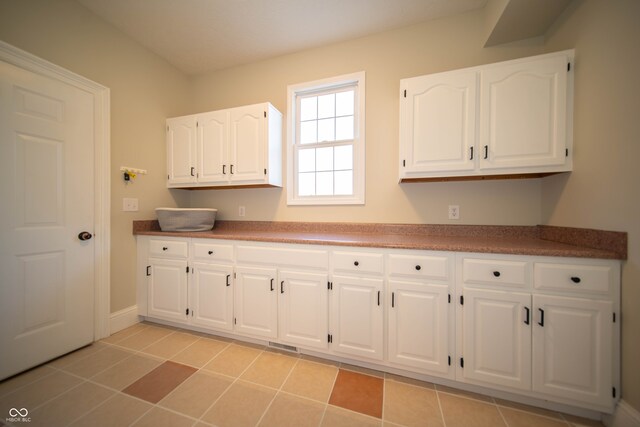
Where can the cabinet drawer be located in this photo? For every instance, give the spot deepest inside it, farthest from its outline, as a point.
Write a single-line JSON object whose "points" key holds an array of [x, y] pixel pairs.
{"points": [[205, 251], [419, 266], [276, 256], [168, 248], [358, 262], [495, 272], [572, 277]]}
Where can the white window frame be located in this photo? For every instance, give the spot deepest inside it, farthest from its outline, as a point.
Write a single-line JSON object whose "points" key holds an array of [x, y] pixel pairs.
{"points": [[357, 79]]}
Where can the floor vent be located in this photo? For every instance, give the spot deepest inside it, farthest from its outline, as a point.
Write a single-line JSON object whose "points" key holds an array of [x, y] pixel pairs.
{"points": [[284, 347]]}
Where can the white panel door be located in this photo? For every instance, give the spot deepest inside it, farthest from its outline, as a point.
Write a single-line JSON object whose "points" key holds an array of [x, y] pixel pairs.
{"points": [[572, 348], [211, 296], [419, 326], [303, 308], [357, 316], [497, 337], [248, 144], [213, 167], [167, 291], [256, 301], [523, 114], [437, 130], [47, 193], [181, 150]]}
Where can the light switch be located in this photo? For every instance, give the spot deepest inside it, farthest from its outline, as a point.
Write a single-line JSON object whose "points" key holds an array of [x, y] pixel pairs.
{"points": [[129, 204]]}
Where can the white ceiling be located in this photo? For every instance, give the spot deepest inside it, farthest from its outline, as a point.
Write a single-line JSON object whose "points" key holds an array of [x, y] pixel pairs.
{"points": [[198, 36]]}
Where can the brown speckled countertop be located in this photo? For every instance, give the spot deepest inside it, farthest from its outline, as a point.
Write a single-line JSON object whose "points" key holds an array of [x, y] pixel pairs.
{"points": [[519, 240]]}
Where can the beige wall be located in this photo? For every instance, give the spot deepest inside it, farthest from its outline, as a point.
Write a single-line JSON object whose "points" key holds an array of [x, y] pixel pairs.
{"points": [[144, 91], [386, 58], [604, 189]]}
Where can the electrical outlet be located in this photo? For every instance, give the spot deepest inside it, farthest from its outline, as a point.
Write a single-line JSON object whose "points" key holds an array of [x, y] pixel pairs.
{"points": [[454, 212], [129, 204], [241, 211]]}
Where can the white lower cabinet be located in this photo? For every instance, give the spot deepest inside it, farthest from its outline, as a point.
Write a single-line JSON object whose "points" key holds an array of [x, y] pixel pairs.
{"points": [[357, 316], [544, 328], [256, 301], [167, 298], [419, 326]]}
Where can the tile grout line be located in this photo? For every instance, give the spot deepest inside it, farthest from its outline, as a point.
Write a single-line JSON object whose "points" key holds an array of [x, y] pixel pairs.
{"points": [[444, 422], [333, 384]]}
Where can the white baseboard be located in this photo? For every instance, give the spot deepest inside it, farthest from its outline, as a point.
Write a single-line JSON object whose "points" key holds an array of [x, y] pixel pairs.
{"points": [[123, 319], [624, 416]]}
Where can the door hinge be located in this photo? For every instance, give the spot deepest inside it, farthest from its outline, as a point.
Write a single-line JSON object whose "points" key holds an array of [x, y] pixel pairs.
{"points": [[197, 124], [234, 276], [404, 163], [235, 321], [187, 312], [330, 285], [168, 177], [613, 392], [265, 171], [405, 93], [461, 299], [566, 152], [187, 269], [265, 114], [449, 298], [614, 316], [462, 362], [568, 66], [148, 270], [329, 338], [449, 360]]}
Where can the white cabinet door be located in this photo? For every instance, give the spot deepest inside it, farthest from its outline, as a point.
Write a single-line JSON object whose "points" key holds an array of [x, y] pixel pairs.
{"points": [[213, 147], [167, 290], [256, 301], [572, 344], [357, 316], [419, 326], [523, 113], [497, 337], [181, 151], [248, 144], [211, 296], [438, 122], [303, 308]]}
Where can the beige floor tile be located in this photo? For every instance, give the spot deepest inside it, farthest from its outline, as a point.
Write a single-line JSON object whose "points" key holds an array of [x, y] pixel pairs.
{"points": [[338, 417], [120, 410], [194, 396], [200, 352], [516, 418], [77, 355], [581, 422], [240, 406], [170, 345], [270, 369], [407, 380], [540, 411], [125, 333], [145, 337], [12, 384], [287, 410], [38, 392], [233, 360], [127, 371], [410, 405], [311, 380], [69, 406], [97, 362], [464, 393], [158, 417], [462, 412]]}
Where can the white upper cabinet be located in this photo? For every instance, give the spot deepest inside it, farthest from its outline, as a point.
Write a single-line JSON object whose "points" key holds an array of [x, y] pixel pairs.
{"points": [[233, 147], [510, 118]]}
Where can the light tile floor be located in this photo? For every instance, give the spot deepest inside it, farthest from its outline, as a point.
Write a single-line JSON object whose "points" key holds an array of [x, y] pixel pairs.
{"points": [[149, 375]]}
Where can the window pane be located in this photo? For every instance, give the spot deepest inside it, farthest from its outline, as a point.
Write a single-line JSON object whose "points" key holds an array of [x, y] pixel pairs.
{"points": [[326, 131], [307, 184], [309, 108], [343, 157], [308, 132], [344, 103], [344, 128], [324, 159], [324, 183], [326, 106], [307, 160], [344, 183]]}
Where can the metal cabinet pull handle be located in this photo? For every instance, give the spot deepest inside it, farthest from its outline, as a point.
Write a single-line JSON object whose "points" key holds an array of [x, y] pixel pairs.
{"points": [[228, 276], [486, 151], [471, 157], [496, 273], [576, 279], [541, 322], [193, 171], [378, 298], [393, 299], [231, 168], [210, 252], [164, 248], [271, 285], [356, 263], [526, 320], [224, 171], [418, 267], [282, 287]]}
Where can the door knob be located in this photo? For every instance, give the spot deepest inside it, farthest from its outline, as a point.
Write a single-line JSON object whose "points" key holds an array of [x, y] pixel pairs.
{"points": [[84, 235]]}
